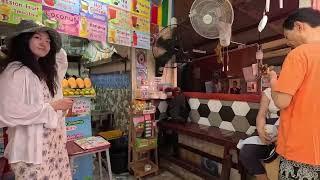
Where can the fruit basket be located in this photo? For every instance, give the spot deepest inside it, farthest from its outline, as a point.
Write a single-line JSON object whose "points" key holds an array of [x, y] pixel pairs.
{"points": [[77, 87]]}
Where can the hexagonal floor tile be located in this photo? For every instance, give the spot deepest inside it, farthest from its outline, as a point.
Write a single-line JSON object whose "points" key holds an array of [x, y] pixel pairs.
{"points": [[204, 110], [194, 103], [204, 121], [214, 105], [227, 126], [163, 106], [194, 115], [240, 123], [240, 108], [251, 116], [226, 113], [214, 119]]}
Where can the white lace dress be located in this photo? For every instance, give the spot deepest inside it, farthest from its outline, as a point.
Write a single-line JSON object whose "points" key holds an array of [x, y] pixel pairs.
{"points": [[55, 165]]}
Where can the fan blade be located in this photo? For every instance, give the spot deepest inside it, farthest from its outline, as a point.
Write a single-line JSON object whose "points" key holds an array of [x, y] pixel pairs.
{"points": [[161, 61], [164, 58]]}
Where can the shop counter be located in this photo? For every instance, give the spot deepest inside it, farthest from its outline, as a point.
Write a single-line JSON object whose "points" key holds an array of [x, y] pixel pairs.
{"points": [[227, 97]]}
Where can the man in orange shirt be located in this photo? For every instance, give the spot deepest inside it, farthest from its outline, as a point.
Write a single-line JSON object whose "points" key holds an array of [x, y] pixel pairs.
{"points": [[297, 94]]}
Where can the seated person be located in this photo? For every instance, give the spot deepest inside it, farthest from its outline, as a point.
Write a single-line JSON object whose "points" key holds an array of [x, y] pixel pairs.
{"points": [[255, 149], [178, 107], [234, 89]]}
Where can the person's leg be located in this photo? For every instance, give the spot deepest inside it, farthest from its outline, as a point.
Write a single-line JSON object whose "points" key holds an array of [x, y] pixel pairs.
{"points": [[295, 171], [251, 156]]}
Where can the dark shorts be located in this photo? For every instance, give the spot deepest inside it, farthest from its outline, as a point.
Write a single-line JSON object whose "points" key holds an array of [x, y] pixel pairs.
{"points": [[252, 156]]}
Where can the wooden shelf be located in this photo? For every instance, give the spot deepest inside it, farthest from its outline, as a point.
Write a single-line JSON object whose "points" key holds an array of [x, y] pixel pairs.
{"points": [[139, 171], [144, 149]]}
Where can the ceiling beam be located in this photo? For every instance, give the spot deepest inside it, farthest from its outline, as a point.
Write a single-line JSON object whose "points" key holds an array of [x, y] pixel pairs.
{"points": [[267, 39], [257, 15]]}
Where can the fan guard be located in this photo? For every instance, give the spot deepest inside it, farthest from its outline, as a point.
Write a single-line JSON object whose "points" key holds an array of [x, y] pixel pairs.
{"points": [[207, 17]]}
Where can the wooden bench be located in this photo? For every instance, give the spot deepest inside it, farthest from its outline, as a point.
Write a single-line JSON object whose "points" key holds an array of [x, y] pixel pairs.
{"points": [[227, 139]]}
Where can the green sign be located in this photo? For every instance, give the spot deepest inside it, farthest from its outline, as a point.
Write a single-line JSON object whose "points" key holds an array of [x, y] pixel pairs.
{"points": [[13, 11]]}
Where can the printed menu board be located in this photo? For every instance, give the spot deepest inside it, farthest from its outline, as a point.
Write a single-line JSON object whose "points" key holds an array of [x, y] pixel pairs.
{"points": [[93, 29], [141, 7], [140, 40], [119, 36], [122, 4], [119, 18], [140, 23], [93, 9], [71, 6], [62, 21], [13, 11]]}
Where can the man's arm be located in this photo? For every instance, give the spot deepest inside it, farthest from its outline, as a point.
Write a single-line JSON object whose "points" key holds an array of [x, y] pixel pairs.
{"points": [[281, 100]]}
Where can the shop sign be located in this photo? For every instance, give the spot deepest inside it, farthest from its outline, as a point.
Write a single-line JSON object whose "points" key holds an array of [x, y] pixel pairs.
{"points": [[13, 11], [141, 7], [63, 22], [93, 9], [71, 6], [119, 18], [37, 1], [119, 36], [93, 29], [140, 23], [140, 40], [141, 67], [122, 4]]}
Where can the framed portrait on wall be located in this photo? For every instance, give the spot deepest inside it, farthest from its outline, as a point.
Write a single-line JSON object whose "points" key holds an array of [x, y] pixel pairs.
{"points": [[252, 87], [234, 86]]}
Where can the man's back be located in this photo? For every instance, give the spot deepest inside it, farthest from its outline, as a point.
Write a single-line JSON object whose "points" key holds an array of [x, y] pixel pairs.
{"points": [[299, 132]]}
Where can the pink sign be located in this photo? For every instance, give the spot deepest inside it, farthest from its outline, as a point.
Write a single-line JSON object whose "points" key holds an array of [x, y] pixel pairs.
{"points": [[37, 1], [63, 22], [93, 29]]}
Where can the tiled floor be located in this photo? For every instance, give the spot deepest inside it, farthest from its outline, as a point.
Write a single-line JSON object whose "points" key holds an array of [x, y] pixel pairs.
{"points": [[163, 174]]}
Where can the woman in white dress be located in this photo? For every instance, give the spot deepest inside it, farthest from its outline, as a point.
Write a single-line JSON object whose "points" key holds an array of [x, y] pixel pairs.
{"points": [[262, 147]]}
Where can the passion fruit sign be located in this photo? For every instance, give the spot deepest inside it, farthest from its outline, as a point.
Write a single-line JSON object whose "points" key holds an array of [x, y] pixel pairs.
{"points": [[13, 11]]}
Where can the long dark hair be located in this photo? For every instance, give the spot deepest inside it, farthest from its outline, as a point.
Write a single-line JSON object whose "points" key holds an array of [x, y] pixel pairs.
{"points": [[44, 68]]}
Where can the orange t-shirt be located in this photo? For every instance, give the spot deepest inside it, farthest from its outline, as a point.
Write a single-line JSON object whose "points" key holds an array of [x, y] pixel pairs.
{"points": [[299, 131]]}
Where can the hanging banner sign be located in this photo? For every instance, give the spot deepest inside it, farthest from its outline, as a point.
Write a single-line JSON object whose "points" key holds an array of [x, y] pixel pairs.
{"points": [[140, 40], [141, 67], [119, 18], [93, 29], [119, 36], [141, 7], [71, 6], [140, 23], [37, 1], [13, 11], [63, 22], [122, 4], [93, 9]]}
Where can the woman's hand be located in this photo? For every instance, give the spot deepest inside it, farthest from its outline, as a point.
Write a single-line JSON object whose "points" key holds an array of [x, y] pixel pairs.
{"points": [[62, 104], [264, 136]]}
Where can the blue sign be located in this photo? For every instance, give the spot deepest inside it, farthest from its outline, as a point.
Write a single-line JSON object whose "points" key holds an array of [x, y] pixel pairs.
{"points": [[78, 127]]}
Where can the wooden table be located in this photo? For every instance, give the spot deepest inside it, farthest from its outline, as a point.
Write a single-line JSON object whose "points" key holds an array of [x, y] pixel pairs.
{"points": [[75, 151]]}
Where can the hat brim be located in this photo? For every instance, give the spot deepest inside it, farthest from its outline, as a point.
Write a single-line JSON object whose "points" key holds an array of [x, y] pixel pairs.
{"points": [[54, 35]]}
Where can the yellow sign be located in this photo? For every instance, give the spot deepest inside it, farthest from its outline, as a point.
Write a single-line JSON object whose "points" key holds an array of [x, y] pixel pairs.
{"points": [[141, 7], [118, 18], [140, 23]]}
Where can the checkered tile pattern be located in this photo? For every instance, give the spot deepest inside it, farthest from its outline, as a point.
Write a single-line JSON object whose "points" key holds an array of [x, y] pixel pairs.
{"points": [[230, 115]]}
